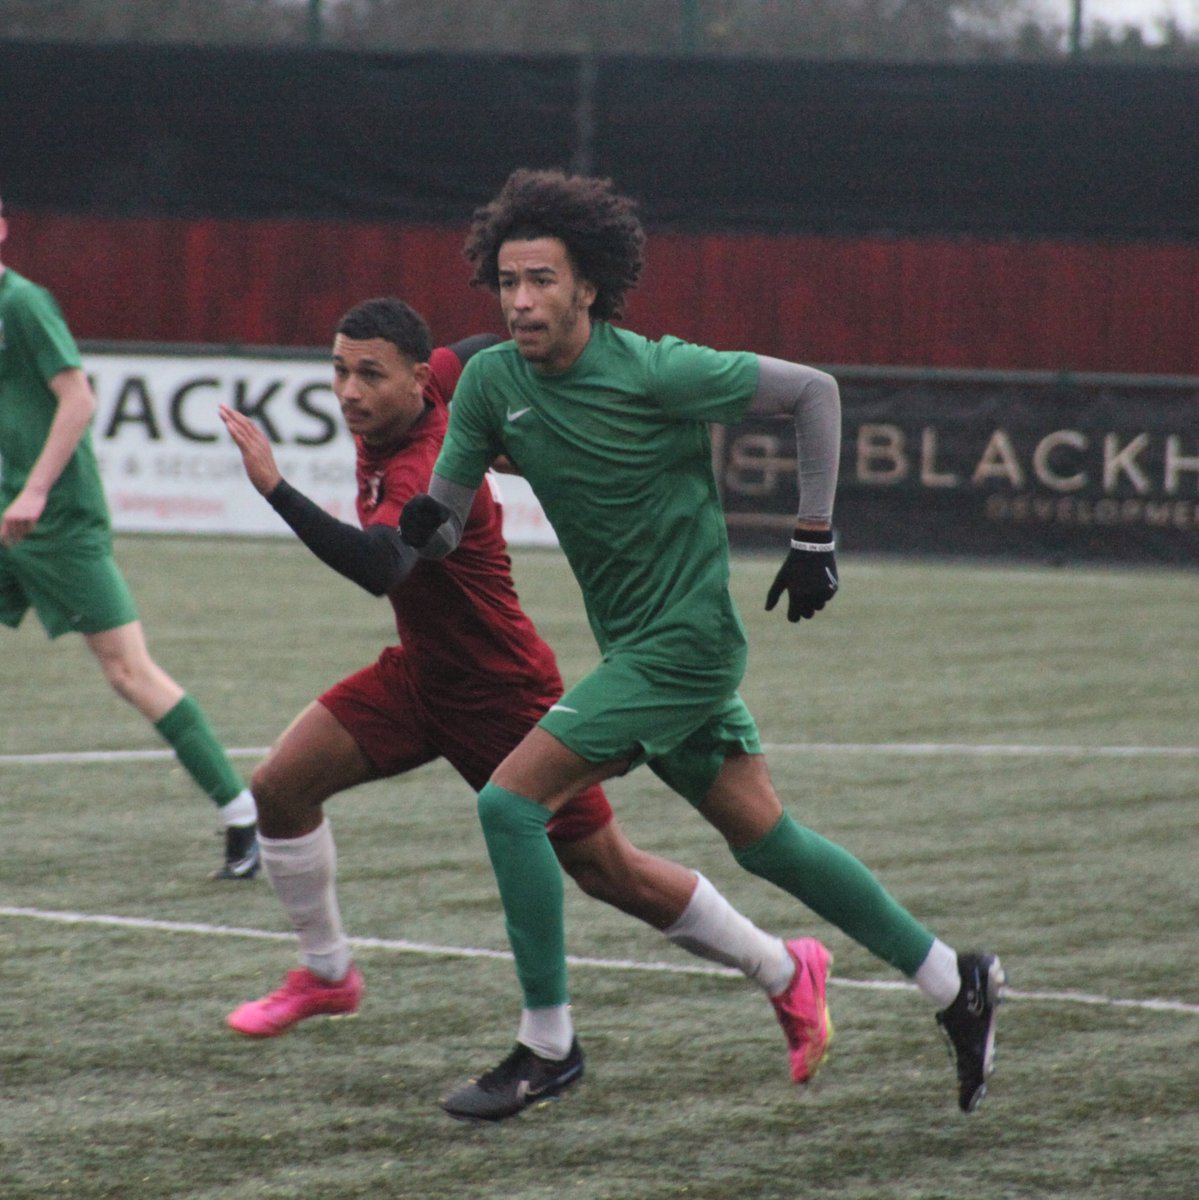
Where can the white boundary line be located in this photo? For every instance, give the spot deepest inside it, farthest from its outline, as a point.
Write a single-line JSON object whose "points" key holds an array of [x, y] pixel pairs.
{"points": [[605, 964], [979, 749], [909, 749]]}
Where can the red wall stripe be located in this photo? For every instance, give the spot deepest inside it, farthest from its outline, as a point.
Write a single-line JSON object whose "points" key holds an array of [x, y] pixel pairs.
{"points": [[923, 302]]}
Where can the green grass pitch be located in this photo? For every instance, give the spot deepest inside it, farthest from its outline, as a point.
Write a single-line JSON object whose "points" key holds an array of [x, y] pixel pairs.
{"points": [[1014, 750]]}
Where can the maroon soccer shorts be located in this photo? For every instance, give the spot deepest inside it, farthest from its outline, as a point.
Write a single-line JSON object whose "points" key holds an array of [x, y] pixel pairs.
{"points": [[384, 711]]}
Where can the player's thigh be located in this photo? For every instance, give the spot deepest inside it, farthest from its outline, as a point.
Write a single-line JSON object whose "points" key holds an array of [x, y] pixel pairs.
{"points": [[742, 803], [314, 758], [693, 767], [72, 588]]}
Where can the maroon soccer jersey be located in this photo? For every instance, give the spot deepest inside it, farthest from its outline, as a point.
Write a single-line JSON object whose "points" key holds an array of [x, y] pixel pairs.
{"points": [[459, 620]]}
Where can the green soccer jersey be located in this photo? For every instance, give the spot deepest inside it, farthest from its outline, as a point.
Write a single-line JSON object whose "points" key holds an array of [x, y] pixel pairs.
{"points": [[617, 450], [35, 345]]}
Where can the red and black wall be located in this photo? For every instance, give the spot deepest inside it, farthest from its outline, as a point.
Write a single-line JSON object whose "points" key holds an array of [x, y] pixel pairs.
{"points": [[1001, 217]]}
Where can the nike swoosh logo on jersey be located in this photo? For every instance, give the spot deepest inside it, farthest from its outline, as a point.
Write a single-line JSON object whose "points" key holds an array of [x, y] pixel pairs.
{"points": [[516, 416], [563, 708]]}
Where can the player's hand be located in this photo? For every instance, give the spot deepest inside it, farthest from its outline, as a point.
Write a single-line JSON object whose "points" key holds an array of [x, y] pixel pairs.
{"points": [[808, 576], [421, 519], [21, 517], [256, 454]]}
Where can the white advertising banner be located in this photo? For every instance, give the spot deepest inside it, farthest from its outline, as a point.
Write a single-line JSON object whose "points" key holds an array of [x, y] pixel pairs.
{"points": [[169, 466]]}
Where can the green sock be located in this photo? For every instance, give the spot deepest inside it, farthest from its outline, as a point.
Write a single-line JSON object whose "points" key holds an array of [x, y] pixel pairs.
{"points": [[187, 730], [839, 888], [530, 882]]}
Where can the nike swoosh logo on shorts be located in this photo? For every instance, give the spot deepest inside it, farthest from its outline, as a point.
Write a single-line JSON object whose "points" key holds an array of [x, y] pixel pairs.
{"points": [[516, 416], [563, 708]]}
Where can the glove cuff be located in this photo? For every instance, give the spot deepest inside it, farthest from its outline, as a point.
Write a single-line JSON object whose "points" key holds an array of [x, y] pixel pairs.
{"points": [[809, 544]]}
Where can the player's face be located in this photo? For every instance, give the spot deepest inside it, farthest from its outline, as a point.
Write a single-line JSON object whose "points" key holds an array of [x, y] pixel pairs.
{"points": [[380, 392], [545, 304]]}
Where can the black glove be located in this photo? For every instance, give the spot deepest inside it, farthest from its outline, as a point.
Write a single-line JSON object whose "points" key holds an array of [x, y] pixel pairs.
{"points": [[808, 576], [421, 519]]}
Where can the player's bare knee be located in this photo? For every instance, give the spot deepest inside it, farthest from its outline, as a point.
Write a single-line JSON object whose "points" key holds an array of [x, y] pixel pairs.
{"points": [[121, 678], [270, 794], [283, 801]]}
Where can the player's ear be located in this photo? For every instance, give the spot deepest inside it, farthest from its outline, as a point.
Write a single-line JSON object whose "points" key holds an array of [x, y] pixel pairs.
{"points": [[422, 372]]}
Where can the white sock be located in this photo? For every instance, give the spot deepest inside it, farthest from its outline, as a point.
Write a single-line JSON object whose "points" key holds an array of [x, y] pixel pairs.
{"points": [[302, 871], [712, 928], [938, 977], [241, 810], [547, 1031]]}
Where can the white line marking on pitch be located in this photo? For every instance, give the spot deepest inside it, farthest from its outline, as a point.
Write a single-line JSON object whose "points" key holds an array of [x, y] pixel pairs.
{"points": [[607, 964], [981, 749], [913, 749], [73, 757]]}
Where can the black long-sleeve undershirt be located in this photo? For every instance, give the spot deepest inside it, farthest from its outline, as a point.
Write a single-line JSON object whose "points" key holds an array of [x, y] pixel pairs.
{"points": [[375, 558]]}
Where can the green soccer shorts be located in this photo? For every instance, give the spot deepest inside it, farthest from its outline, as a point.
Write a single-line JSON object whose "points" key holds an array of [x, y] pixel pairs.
{"points": [[73, 589], [681, 725]]}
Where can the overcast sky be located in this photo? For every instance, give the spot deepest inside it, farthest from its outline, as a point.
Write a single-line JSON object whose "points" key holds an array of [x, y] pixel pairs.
{"points": [[1145, 13]]}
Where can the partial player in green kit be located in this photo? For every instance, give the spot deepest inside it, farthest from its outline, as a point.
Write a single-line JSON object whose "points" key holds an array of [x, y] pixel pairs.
{"points": [[56, 546], [611, 432]]}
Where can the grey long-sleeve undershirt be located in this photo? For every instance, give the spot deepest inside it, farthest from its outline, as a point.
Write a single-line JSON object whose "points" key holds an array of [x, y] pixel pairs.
{"points": [[810, 396], [814, 400]]}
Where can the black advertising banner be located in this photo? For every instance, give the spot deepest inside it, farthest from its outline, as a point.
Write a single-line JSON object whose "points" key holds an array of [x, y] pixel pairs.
{"points": [[1055, 468]]}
